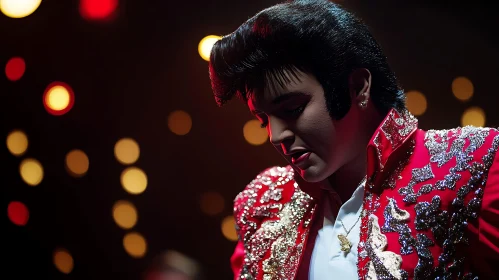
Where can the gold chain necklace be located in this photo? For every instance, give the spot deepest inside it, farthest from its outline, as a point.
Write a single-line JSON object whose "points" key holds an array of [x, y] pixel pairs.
{"points": [[346, 245]]}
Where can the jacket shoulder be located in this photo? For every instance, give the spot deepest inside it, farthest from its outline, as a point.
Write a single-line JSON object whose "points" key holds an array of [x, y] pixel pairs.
{"points": [[263, 198], [267, 186]]}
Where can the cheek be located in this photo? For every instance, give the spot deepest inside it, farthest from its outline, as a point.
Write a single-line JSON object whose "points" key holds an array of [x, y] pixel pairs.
{"points": [[318, 132]]}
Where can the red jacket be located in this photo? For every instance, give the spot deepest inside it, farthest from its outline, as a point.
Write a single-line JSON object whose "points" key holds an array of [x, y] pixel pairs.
{"points": [[430, 210]]}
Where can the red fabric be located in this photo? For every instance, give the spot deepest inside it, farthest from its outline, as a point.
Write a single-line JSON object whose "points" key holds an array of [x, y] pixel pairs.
{"points": [[236, 260], [484, 236]]}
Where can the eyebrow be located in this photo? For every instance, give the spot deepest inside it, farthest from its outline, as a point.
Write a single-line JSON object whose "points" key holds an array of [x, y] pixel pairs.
{"points": [[282, 98]]}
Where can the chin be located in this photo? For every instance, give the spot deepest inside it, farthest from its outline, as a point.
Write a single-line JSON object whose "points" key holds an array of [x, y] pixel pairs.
{"points": [[312, 174]]}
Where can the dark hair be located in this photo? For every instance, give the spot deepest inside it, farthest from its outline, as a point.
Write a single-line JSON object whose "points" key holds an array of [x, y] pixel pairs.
{"points": [[312, 36]]}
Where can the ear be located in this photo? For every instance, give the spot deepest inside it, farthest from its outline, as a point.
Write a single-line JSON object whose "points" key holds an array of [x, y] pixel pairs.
{"points": [[359, 83]]}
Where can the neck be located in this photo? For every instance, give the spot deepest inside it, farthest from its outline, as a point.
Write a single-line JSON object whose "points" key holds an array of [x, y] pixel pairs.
{"points": [[346, 179]]}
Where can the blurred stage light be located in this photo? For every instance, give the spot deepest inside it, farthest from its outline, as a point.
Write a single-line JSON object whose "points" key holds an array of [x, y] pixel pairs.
{"points": [[14, 69], [17, 142], [474, 116], [31, 171], [179, 122], [134, 180], [77, 163], [254, 133], [19, 8], [18, 213], [462, 88], [127, 151], [212, 203], [97, 9], [58, 98], [416, 102], [135, 244], [125, 214], [229, 228], [63, 261], [205, 46]]}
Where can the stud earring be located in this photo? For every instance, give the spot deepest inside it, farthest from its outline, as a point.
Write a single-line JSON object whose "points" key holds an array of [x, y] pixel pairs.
{"points": [[363, 104]]}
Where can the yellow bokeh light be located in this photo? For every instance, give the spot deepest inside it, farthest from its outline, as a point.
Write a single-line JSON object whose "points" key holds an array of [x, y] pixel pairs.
{"points": [[134, 180], [125, 214], [19, 8], [31, 171], [17, 142], [474, 116], [462, 88], [254, 133], [229, 228], [416, 102], [63, 261], [205, 46], [212, 203], [179, 122], [135, 244], [127, 151], [58, 98], [77, 163]]}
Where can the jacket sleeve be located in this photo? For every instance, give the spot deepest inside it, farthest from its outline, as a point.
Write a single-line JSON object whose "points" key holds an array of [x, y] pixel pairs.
{"points": [[484, 239], [236, 260]]}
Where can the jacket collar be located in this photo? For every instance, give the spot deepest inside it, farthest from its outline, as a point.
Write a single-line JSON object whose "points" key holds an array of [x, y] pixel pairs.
{"points": [[391, 137]]}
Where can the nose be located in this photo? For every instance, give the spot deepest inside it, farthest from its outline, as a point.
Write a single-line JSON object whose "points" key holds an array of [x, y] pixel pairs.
{"points": [[279, 132]]}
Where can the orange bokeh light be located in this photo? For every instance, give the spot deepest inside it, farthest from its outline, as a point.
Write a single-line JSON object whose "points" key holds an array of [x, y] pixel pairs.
{"points": [[58, 98]]}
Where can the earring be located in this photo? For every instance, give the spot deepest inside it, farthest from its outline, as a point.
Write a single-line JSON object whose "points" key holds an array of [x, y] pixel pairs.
{"points": [[363, 104]]}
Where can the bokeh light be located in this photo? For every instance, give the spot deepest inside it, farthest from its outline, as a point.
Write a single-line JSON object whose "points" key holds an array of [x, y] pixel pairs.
{"points": [[31, 171], [17, 142], [15, 68], [19, 8], [58, 98], [125, 214], [134, 180], [462, 88], [98, 9], [63, 260], [205, 46], [212, 203], [416, 102], [135, 244], [229, 228], [77, 163], [179, 122], [18, 213], [127, 151], [474, 116], [254, 133]]}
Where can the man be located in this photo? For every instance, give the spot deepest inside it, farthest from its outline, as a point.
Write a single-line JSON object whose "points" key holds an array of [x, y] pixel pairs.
{"points": [[367, 195]]}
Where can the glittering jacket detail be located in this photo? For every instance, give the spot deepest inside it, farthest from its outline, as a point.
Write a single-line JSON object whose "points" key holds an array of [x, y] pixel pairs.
{"points": [[430, 210]]}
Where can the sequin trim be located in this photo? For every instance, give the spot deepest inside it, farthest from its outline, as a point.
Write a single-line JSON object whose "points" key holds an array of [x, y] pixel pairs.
{"points": [[383, 264], [273, 233]]}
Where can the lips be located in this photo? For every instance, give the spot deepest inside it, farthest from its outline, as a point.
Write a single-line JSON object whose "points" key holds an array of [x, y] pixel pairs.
{"points": [[299, 157]]}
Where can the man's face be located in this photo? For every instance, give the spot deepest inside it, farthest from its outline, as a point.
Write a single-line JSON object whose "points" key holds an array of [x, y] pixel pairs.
{"points": [[301, 129]]}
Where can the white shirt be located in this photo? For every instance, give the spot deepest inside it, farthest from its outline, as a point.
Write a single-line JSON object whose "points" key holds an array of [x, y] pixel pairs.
{"points": [[328, 261]]}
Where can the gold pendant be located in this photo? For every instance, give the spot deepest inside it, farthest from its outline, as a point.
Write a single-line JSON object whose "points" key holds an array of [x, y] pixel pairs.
{"points": [[346, 245]]}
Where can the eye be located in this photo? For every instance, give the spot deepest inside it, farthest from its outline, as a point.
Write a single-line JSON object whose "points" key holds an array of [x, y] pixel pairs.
{"points": [[295, 111]]}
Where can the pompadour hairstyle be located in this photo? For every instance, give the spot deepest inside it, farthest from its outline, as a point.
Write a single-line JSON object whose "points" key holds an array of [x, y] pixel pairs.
{"points": [[313, 36]]}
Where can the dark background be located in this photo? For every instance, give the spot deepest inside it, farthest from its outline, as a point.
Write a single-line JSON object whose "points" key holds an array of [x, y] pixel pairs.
{"points": [[130, 73]]}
